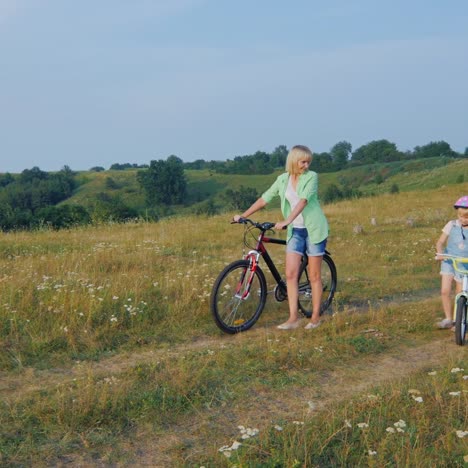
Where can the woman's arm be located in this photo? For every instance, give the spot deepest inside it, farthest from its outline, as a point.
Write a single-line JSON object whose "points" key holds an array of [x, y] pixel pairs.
{"points": [[293, 215]]}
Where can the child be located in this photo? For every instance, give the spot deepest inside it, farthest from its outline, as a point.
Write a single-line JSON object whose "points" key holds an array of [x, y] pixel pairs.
{"points": [[307, 229], [455, 236]]}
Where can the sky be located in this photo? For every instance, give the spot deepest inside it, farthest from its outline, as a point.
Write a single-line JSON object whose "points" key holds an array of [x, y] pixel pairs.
{"points": [[87, 83]]}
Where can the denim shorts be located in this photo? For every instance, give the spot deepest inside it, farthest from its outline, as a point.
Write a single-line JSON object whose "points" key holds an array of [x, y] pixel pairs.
{"points": [[300, 243], [446, 268]]}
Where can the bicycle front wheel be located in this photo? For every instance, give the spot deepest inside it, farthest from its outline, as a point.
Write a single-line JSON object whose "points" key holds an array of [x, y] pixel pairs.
{"points": [[238, 297], [329, 282], [460, 321]]}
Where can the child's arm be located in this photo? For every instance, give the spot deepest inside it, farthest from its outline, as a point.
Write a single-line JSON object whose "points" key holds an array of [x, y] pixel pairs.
{"points": [[440, 245]]}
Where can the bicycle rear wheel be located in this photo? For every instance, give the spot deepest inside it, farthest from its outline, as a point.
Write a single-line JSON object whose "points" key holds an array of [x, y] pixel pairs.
{"points": [[329, 282], [238, 297], [460, 321]]}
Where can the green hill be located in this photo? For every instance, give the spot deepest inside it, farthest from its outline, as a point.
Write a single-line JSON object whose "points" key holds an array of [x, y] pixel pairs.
{"points": [[204, 185]]}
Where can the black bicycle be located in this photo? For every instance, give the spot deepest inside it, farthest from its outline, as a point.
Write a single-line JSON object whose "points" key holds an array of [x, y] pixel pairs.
{"points": [[239, 293]]}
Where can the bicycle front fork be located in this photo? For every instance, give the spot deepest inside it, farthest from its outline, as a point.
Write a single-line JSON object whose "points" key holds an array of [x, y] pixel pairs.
{"points": [[463, 293]]}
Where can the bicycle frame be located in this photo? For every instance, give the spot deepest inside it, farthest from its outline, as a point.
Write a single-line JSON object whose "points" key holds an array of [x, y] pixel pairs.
{"points": [[457, 265], [463, 270], [260, 250], [254, 255]]}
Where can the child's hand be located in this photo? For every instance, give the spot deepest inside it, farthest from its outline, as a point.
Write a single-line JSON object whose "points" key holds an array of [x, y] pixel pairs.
{"points": [[439, 257]]}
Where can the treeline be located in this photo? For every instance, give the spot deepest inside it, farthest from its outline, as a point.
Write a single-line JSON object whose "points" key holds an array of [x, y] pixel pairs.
{"points": [[33, 199], [30, 198], [36, 198], [341, 156]]}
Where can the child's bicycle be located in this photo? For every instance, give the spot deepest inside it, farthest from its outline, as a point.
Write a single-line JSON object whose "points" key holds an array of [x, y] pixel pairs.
{"points": [[460, 264], [239, 293]]}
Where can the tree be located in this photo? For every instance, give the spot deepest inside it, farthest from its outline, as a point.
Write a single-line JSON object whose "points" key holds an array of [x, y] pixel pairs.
{"points": [[340, 154], [111, 184], [322, 162], [279, 156], [6, 179], [240, 199], [164, 182], [394, 188], [434, 149], [376, 151], [64, 216]]}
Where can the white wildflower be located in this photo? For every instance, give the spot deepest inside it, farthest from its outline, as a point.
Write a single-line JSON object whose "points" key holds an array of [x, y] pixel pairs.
{"points": [[432, 373], [235, 445], [418, 399], [362, 425], [391, 430], [311, 405], [455, 393], [456, 369], [372, 453], [462, 434]]}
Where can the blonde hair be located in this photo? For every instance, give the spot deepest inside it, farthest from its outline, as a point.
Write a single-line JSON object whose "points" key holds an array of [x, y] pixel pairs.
{"points": [[296, 154]]}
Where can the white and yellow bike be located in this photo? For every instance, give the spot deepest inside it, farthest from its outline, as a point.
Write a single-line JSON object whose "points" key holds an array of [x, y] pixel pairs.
{"points": [[460, 264]]}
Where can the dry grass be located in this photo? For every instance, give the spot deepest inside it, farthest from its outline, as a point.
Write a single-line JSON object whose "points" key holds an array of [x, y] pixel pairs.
{"points": [[123, 296]]}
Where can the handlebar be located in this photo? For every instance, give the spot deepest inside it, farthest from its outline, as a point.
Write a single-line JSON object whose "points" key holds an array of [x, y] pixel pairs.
{"points": [[465, 259], [266, 226], [459, 263]]}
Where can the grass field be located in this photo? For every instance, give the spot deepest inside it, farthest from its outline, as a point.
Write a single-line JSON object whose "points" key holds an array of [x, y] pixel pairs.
{"points": [[109, 356]]}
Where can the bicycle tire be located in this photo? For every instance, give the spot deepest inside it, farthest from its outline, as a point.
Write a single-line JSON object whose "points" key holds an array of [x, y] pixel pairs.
{"points": [[329, 283], [232, 312], [460, 320]]}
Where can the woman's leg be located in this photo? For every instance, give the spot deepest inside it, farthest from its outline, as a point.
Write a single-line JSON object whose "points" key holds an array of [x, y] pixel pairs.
{"points": [[293, 263], [315, 278]]}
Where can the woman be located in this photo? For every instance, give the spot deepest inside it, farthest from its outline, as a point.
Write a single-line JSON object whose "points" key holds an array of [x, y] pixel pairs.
{"points": [[307, 229]]}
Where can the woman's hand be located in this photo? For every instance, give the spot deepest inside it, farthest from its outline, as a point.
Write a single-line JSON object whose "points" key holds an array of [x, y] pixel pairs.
{"points": [[236, 218], [281, 225]]}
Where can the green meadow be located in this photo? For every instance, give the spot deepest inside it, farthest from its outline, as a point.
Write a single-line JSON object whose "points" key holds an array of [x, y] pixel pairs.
{"points": [[109, 355]]}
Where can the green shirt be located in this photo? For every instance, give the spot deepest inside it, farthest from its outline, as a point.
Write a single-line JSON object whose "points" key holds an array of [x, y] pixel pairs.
{"points": [[314, 218]]}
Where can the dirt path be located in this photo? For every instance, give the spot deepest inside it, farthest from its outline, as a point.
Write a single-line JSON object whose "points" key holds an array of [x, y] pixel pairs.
{"points": [[295, 403], [14, 386], [175, 447], [219, 425]]}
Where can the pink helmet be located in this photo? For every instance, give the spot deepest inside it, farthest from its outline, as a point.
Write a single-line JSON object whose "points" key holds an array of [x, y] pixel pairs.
{"points": [[461, 202]]}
